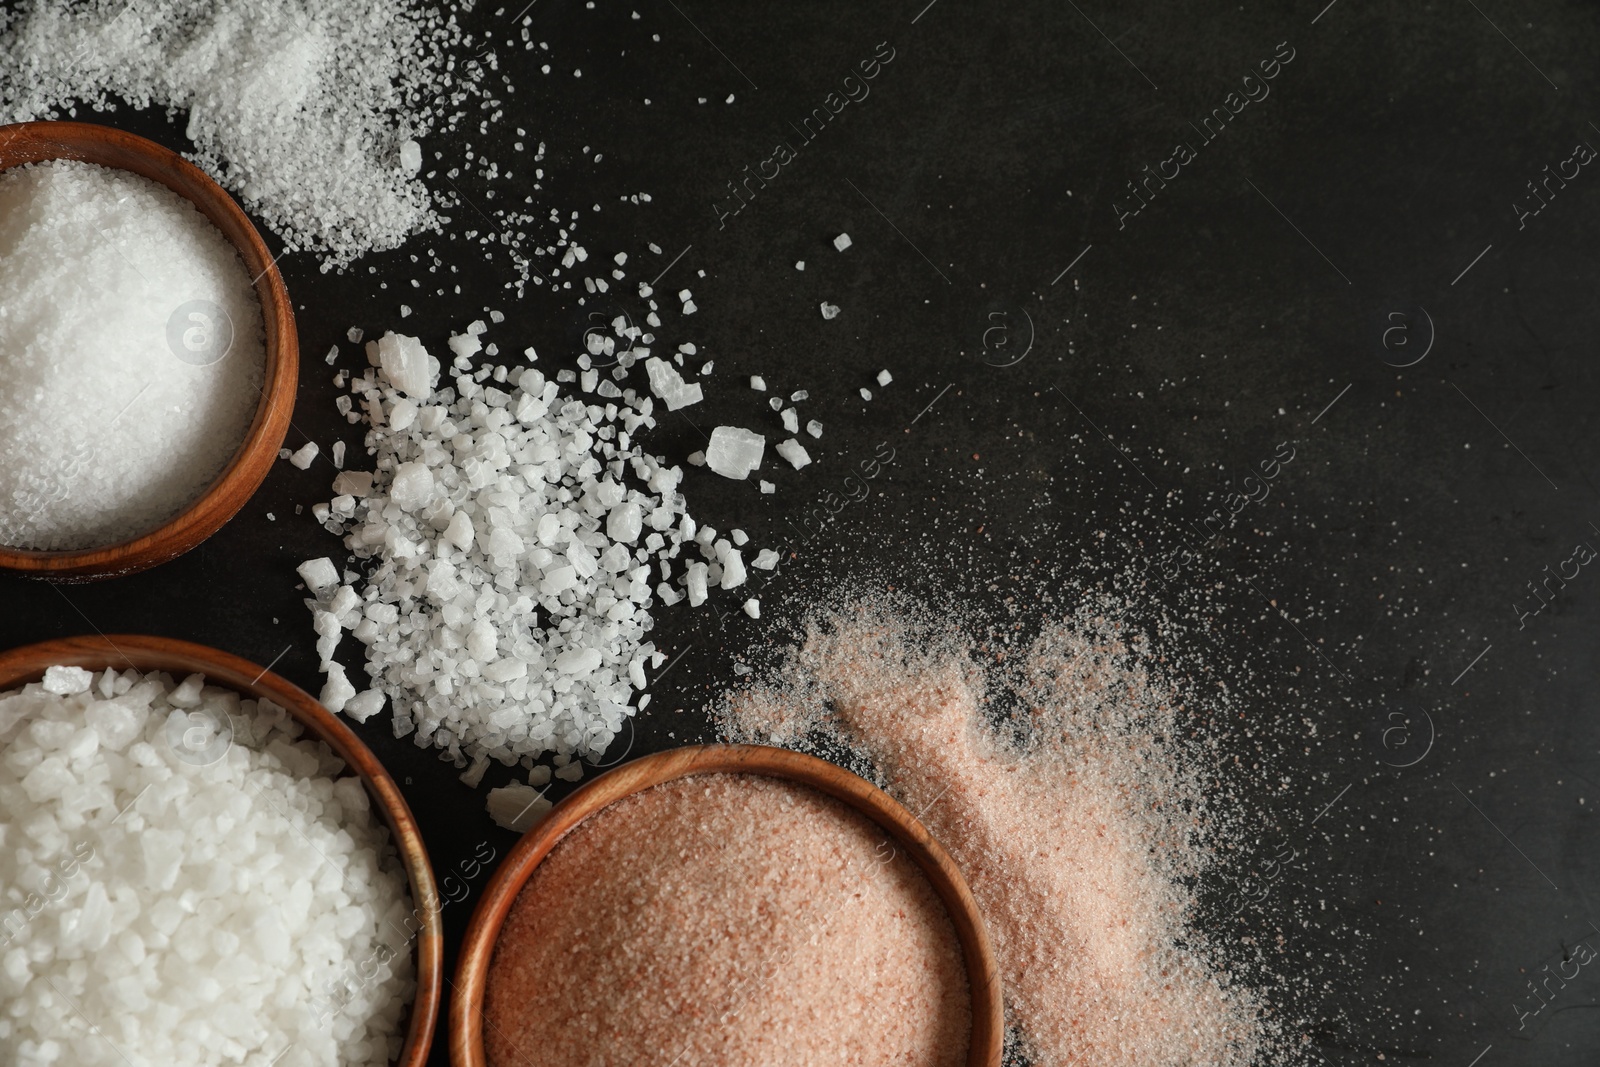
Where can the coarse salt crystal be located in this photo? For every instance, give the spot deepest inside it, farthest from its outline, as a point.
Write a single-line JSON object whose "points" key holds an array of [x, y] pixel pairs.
{"points": [[734, 452], [793, 451]]}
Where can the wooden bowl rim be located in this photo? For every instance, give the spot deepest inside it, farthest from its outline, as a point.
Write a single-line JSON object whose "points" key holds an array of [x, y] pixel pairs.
{"points": [[27, 663], [244, 473], [477, 947]]}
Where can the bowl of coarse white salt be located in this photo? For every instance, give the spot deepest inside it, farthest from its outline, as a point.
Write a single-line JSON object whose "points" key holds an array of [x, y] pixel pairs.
{"points": [[148, 356], [199, 865]]}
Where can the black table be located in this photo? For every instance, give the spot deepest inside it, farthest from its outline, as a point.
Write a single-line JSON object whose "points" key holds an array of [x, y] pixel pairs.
{"points": [[1114, 260]]}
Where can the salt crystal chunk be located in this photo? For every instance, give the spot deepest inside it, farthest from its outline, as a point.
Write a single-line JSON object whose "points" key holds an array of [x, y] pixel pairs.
{"points": [[758, 383], [352, 483], [412, 486], [695, 581], [668, 384], [304, 455], [884, 377], [734, 452], [539, 776], [814, 428], [460, 532], [800, 264], [798, 395], [752, 608], [830, 311], [572, 772], [410, 158], [740, 538], [765, 560], [791, 420], [624, 523], [407, 364], [67, 680], [338, 453], [580, 661], [517, 807], [318, 574], [842, 242], [337, 690], [733, 572], [866, 394], [768, 487], [473, 775], [793, 451], [353, 335], [775, 403], [365, 705], [117, 725]]}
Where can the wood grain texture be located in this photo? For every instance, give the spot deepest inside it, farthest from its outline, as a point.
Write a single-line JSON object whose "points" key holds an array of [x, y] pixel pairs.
{"points": [[28, 664], [31, 142], [472, 969]]}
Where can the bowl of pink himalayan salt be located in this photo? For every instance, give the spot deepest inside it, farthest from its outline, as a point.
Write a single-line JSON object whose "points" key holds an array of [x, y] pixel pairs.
{"points": [[727, 904], [144, 432]]}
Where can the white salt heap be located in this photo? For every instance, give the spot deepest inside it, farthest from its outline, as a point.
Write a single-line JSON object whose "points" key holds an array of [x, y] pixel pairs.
{"points": [[117, 296], [307, 109], [183, 883], [514, 537]]}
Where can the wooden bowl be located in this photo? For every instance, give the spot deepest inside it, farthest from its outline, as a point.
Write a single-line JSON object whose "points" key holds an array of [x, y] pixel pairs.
{"points": [[31, 142], [27, 664], [983, 976]]}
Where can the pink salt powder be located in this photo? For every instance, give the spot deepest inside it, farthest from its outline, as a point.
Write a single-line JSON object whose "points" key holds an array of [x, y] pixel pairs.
{"points": [[1078, 841], [727, 919]]}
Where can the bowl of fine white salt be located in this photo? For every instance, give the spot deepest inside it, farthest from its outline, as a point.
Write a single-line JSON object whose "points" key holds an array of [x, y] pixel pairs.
{"points": [[202, 865], [148, 355]]}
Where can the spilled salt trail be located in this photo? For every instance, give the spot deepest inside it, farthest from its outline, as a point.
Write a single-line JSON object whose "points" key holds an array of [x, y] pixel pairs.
{"points": [[1079, 834]]}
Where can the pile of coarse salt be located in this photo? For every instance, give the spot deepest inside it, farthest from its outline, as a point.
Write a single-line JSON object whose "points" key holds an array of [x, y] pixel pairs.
{"points": [[1080, 825], [517, 540], [309, 111], [727, 919], [186, 882], [131, 355]]}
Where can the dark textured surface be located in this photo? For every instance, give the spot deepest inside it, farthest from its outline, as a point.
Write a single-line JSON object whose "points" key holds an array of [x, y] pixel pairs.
{"points": [[1250, 294]]}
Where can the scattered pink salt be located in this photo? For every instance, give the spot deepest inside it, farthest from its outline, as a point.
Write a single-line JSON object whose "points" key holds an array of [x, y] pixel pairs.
{"points": [[1078, 840]]}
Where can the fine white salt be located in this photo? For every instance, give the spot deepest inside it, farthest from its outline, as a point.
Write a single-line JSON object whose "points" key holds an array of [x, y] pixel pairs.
{"points": [[308, 110], [131, 355]]}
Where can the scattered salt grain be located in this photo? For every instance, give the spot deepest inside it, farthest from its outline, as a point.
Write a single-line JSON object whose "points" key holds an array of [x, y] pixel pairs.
{"points": [[842, 242], [768, 487], [866, 394], [305, 455], [884, 377], [758, 383], [752, 608], [765, 560], [814, 428], [830, 311], [791, 420], [308, 110]]}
